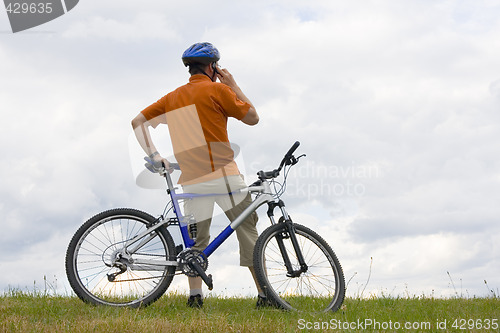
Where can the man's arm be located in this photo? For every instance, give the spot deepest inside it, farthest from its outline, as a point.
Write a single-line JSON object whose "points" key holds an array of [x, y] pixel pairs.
{"points": [[141, 129], [251, 118]]}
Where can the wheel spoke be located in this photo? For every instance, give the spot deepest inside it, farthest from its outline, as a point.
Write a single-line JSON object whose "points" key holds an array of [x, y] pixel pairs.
{"points": [[320, 288]]}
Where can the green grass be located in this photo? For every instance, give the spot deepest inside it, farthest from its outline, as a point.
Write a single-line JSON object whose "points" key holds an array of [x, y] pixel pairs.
{"points": [[28, 312]]}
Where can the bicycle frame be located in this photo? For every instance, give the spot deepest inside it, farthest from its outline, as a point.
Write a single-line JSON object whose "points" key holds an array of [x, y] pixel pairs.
{"points": [[261, 199], [142, 239]]}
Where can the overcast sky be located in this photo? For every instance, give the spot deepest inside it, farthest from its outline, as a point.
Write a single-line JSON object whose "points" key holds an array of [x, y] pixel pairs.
{"points": [[396, 104]]}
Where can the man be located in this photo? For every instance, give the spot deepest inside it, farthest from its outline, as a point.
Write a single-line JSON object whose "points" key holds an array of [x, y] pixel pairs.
{"points": [[197, 115]]}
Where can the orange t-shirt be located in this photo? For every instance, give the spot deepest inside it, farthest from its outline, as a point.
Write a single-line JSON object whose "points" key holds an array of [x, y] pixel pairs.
{"points": [[196, 115]]}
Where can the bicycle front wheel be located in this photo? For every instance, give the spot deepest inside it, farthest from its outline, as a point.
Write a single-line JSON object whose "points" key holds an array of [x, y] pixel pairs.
{"points": [[98, 271], [320, 288]]}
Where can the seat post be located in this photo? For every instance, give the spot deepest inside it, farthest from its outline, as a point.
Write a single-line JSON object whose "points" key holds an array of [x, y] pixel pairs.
{"points": [[170, 185]]}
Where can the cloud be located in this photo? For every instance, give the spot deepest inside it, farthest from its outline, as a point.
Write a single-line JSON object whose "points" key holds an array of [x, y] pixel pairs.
{"points": [[144, 26]]}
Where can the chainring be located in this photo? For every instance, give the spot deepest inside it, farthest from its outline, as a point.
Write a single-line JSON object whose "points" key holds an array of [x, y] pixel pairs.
{"points": [[189, 256]]}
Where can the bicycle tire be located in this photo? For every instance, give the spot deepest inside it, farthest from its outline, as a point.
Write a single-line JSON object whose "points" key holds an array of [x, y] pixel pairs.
{"points": [[95, 243], [321, 288]]}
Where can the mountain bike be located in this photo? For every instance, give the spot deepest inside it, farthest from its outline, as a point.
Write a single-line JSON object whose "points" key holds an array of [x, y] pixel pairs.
{"points": [[126, 257]]}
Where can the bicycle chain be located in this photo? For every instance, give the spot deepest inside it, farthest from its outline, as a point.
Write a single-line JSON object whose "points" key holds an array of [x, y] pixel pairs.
{"points": [[150, 277], [184, 259]]}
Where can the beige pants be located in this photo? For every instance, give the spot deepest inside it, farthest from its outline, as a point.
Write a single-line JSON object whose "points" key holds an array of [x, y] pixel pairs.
{"points": [[233, 205]]}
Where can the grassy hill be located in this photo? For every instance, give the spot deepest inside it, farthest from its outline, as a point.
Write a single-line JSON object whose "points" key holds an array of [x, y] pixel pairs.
{"points": [[24, 312]]}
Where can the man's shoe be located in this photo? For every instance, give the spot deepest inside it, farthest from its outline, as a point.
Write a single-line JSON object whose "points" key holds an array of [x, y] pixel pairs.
{"points": [[195, 301], [263, 302]]}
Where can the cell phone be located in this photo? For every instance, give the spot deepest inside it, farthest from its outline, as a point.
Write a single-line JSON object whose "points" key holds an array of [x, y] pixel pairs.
{"points": [[216, 68]]}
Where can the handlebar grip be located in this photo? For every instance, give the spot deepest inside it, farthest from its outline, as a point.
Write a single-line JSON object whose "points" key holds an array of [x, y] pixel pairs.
{"points": [[292, 150], [268, 174]]}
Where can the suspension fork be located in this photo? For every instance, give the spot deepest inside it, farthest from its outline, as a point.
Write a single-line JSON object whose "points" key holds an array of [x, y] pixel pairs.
{"points": [[289, 232]]}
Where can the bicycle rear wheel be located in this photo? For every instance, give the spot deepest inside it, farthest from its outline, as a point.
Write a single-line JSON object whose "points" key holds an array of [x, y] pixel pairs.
{"points": [[93, 254], [320, 288]]}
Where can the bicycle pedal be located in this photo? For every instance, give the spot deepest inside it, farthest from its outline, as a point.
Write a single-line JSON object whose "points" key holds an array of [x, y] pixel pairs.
{"points": [[209, 282]]}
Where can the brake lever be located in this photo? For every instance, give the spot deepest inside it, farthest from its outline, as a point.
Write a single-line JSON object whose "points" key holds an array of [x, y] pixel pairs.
{"points": [[303, 155], [294, 160]]}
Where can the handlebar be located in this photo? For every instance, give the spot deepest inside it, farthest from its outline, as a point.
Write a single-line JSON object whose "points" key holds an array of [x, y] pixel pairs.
{"points": [[288, 159], [159, 168]]}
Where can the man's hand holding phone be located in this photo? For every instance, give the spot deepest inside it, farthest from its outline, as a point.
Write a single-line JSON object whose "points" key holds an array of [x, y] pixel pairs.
{"points": [[227, 78]]}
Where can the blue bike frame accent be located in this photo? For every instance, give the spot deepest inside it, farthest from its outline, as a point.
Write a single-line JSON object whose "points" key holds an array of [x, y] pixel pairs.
{"points": [[188, 242], [218, 241]]}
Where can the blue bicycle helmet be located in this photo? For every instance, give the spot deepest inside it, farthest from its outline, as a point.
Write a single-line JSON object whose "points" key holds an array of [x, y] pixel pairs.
{"points": [[204, 53]]}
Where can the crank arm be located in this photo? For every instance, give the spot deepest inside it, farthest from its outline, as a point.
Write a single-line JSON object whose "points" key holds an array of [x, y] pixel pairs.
{"points": [[206, 278]]}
